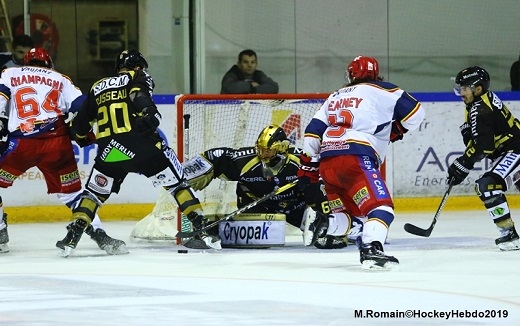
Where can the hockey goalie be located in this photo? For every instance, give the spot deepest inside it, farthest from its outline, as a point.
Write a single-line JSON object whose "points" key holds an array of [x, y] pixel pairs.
{"points": [[258, 169]]}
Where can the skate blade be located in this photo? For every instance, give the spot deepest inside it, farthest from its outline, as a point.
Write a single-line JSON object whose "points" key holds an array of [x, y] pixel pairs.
{"points": [[4, 248], [508, 247], [65, 252], [121, 250], [373, 266]]}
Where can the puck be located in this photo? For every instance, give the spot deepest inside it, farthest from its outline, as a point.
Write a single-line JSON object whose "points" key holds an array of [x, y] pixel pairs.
{"points": [[182, 251]]}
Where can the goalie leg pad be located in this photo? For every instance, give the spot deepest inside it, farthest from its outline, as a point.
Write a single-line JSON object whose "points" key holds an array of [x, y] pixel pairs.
{"points": [[253, 230], [315, 226]]}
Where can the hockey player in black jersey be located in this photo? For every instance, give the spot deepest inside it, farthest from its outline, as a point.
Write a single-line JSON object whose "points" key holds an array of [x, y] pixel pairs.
{"points": [[128, 141], [490, 131], [259, 169]]}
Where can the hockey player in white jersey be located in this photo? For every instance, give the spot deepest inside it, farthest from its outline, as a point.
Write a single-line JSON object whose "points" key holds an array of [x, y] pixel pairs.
{"points": [[34, 101], [346, 142]]}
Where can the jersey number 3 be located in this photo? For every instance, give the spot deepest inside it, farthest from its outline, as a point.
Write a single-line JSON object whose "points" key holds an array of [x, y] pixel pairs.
{"points": [[339, 121]]}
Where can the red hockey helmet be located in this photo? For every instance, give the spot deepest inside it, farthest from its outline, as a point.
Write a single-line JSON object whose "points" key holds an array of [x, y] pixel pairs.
{"points": [[38, 57], [362, 68]]}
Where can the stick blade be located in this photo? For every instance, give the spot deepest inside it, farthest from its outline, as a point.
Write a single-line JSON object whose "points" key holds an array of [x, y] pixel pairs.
{"points": [[410, 228], [182, 235]]}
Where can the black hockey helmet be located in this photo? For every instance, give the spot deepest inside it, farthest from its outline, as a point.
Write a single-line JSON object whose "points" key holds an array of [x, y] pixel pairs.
{"points": [[473, 77], [130, 59]]}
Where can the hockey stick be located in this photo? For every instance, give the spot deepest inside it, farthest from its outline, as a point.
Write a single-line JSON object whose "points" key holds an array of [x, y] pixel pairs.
{"points": [[230, 216], [185, 224], [410, 228]]}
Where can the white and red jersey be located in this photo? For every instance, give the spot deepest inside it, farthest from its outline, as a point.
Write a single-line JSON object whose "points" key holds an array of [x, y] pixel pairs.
{"points": [[34, 99], [357, 119]]}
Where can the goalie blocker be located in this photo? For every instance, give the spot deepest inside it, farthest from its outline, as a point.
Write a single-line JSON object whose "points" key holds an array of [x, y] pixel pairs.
{"points": [[253, 230]]}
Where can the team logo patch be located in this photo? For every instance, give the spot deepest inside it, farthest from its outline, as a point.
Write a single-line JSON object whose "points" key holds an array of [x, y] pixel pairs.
{"points": [[101, 180], [69, 177], [335, 204], [361, 196], [7, 176], [115, 152]]}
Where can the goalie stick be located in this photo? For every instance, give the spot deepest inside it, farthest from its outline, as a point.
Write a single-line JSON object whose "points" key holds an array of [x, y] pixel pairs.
{"points": [[410, 228], [230, 216]]}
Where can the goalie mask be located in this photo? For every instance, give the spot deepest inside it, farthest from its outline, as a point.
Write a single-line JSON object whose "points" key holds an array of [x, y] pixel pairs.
{"points": [[271, 148]]}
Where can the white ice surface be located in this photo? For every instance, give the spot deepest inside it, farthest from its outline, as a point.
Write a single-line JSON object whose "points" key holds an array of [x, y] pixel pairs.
{"points": [[458, 268]]}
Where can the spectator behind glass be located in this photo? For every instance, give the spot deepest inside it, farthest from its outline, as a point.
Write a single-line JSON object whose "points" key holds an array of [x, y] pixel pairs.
{"points": [[514, 74], [244, 78], [21, 45]]}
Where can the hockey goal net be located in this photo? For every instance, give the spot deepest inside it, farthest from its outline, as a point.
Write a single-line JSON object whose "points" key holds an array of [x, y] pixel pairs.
{"points": [[209, 121]]}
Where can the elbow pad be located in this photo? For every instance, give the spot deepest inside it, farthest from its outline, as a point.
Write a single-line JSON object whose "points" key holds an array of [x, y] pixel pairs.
{"points": [[142, 101], [148, 117]]}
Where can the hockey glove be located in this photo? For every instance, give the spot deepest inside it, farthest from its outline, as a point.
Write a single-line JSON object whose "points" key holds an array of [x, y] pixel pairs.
{"points": [[308, 172], [89, 139], [82, 140], [148, 121], [459, 170], [3, 128], [465, 131], [397, 131]]}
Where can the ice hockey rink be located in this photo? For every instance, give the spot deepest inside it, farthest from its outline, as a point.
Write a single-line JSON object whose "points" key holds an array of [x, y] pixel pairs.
{"points": [[458, 269]]}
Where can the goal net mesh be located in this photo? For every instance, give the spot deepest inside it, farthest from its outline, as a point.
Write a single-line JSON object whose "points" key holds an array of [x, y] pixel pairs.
{"points": [[224, 121]]}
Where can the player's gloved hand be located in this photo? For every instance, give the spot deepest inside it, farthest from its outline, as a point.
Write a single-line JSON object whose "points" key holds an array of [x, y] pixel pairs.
{"points": [[3, 128], [308, 172], [465, 131], [82, 140], [148, 121], [459, 170], [397, 131]]}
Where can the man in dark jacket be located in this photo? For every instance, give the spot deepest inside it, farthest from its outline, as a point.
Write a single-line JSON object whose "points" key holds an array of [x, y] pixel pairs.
{"points": [[244, 78], [21, 45]]}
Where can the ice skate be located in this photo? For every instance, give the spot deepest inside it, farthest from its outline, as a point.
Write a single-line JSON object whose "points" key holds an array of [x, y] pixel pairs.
{"points": [[4, 236], [315, 225], [373, 258], [203, 240], [509, 240], [74, 233], [105, 242]]}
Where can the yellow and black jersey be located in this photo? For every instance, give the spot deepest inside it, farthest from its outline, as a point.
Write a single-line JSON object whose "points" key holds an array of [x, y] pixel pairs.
{"points": [[244, 166], [494, 130], [109, 104]]}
